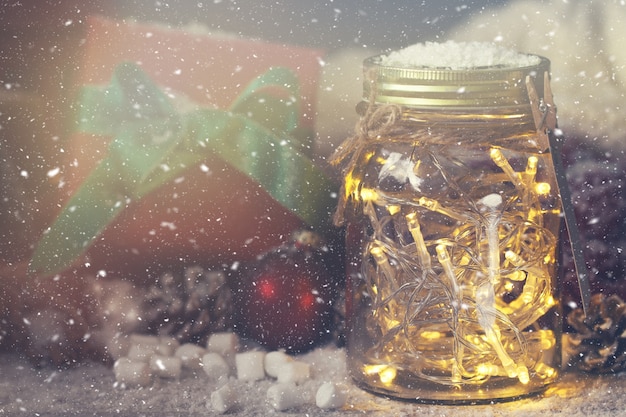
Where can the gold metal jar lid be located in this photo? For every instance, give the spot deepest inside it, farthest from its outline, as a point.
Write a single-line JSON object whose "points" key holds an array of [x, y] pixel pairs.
{"points": [[502, 89]]}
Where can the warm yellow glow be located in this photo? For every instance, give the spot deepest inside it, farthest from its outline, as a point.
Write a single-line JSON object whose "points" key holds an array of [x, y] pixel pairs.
{"points": [[373, 369], [416, 231], [547, 340], [542, 188], [393, 209], [493, 300], [522, 374], [477, 340], [431, 335], [446, 263], [513, 257], [545, 371], [517, 276], [391, 323], [383, 263], [411, 220], [442, 254], [534, 214], [381, 160], [465, 260], [428, 203], [351, 184], [497, 157], [531, 168], [378, 254], [528, 295], [369, 194], [434, 205], [488, 369], [387, 375], [500, 160]]}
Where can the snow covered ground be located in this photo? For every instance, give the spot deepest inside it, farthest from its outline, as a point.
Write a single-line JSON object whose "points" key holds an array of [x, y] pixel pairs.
{"points": [[89, 390]]}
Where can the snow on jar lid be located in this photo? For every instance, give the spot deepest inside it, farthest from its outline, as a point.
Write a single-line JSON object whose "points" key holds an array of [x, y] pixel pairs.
{"points": [[460, 76]]}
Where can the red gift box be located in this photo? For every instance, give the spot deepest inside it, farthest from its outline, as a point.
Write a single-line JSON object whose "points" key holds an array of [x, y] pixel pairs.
{"points": [[215, 214]]}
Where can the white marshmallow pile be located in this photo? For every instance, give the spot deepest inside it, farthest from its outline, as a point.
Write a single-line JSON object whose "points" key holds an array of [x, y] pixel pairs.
{"points": [[147, 357]]}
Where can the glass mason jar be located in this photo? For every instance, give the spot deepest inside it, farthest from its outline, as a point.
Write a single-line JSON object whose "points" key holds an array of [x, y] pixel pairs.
{"points": [[452, 214]]}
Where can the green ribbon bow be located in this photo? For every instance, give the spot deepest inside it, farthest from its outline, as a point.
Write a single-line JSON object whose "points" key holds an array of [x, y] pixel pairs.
{"points": [[256, 136]]}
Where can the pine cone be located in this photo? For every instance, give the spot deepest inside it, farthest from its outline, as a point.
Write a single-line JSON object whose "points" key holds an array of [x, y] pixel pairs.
{"points": [[600, 342], [188, 306]]}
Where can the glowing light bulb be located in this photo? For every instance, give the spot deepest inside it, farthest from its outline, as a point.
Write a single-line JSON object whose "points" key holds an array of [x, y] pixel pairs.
{"points": [[500, 160], [547, 339], [391, 323], [542, 188], [416, 231], [375, 289], [383, 263], [393, 209], [522, 374], [373, 369], [431, 335], [517, 276], [531, 168], [351, 185], [488, 369], [544, 371], [387, 375], [368, 194], [446, 263], [434, 205]]}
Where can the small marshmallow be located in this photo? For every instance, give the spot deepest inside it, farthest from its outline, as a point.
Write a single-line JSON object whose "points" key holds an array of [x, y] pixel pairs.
{"points": [[250, 365], [118, 345], [215, 366], [167, 346], [142, 352], [223, 399], [132, 373], [191, 355], [331, 395], [166, 366], [274, 360], [295, 371], [224, 343], [285, 396]]}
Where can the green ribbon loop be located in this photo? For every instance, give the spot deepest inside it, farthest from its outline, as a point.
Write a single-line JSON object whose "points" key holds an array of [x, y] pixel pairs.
{"points": [[257, 136]]}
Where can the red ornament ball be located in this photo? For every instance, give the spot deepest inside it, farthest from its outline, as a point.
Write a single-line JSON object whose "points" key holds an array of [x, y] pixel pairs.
{"points": [[285, 300]]}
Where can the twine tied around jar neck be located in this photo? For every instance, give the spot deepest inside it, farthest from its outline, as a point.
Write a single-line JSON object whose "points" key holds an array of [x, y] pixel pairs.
{"points": [[378, 123]]}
